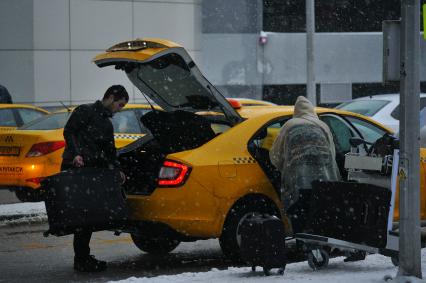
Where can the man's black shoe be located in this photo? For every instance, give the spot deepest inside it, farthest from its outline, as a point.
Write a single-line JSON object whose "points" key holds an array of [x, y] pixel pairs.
{"points": [[89, 264], [356, 256]]}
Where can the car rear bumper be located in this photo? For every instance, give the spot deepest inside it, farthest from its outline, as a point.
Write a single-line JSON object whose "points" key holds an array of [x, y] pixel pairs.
{"points": [[14, 174], [190, 216]]}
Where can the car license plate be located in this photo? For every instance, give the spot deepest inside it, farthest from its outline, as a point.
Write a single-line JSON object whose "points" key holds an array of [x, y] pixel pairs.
{"points": [[9, 150]]}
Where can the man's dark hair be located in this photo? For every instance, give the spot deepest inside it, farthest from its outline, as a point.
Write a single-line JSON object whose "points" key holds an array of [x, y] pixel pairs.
{"points": [[118, 92]]}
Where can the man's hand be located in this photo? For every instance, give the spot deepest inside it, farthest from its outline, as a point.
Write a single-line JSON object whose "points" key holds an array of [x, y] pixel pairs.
{"points": [[123, 177], [78, 161]]}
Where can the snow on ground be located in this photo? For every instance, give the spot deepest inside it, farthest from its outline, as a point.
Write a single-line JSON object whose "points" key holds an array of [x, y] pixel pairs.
{"points": [[22, 213], [23, 208], [374, 269]]}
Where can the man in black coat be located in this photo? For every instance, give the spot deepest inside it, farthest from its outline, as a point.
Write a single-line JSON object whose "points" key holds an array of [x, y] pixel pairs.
{"points": [[5, 96], [89, 137]]}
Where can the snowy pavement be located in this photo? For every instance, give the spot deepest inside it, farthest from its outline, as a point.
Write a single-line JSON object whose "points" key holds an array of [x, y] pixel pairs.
{"points": [[27, 212], [375, 268]]}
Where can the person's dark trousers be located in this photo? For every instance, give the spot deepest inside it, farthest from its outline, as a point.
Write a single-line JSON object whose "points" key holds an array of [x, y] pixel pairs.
{"points": [[299, 212], [82, 237]]}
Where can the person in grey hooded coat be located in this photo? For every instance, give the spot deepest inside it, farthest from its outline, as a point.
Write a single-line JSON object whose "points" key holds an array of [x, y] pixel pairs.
{"points": [[303, 151]]}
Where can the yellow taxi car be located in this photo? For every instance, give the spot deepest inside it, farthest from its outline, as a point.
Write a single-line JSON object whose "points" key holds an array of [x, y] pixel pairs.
{"points": [[191, 179], [15, 115], [34, 151]]}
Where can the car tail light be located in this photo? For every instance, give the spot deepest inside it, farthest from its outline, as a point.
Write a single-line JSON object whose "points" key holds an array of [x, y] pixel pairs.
{"points": [[173, 174], [36, 180], [43, 148]]}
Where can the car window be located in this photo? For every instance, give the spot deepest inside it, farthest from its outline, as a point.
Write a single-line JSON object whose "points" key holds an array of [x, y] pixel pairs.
{"points": [[28, 115], [141, 111], [219, 128], [48, 122], [126, 121], [368, 131], [395, 112], [169, 77], [266, 136], [6, 118], [364, 107], [341, 132]]}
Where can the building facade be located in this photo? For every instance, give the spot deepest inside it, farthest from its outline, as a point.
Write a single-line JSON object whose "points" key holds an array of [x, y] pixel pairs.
{"points": [[46, 46], [248, 48]]}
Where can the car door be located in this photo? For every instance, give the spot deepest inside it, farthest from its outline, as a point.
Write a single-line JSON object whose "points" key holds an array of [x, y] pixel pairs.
{"points": [[260, 145], [342, 131]]}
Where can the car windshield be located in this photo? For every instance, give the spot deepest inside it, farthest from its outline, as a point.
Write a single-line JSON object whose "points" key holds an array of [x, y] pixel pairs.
{"points": [[48, 122], [364, 107]]}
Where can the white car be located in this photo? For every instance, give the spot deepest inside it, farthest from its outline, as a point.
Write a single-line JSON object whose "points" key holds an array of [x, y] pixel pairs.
{"points": [[384, 108]]}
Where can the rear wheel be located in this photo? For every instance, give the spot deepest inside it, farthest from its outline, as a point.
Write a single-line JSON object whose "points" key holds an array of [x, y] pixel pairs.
{"points": [[230, 239], [160, 244], [28, 194]]}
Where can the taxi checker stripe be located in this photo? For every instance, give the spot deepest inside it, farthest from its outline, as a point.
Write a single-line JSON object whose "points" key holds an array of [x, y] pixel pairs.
{"points": [[126, 137], [244, 160]]}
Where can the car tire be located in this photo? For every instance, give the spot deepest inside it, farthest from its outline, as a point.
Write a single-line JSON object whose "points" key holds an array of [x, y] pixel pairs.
{"points": [[28, 195], [159, 245], [228, 240]]}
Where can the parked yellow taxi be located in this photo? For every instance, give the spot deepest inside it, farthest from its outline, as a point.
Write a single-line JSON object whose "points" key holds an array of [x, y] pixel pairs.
{"points": [[191, 179], [34, 151], [15, 115]]}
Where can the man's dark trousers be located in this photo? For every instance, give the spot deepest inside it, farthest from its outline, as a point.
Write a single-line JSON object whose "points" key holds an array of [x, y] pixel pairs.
{"points": [[82, 237]]}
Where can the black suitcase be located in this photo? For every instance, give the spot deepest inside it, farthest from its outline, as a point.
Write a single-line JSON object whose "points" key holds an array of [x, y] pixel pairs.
{"points": [[90, 198], [350, 211], [263, 242]]}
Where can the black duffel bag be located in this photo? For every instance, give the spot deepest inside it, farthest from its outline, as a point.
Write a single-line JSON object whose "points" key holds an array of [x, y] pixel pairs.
{"points": [[89, 198]]}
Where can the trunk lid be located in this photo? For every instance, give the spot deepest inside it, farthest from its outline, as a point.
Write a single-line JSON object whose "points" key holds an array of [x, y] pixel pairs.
{"points": [[165, 72]]}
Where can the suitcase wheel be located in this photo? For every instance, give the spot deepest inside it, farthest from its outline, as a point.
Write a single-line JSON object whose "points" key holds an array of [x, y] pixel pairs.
{"points": [[395, 260], [267, 271], [318, 259]]}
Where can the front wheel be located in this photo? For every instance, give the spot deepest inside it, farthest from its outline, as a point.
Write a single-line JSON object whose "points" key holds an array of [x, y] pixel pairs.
{"points": [[159, 245]]}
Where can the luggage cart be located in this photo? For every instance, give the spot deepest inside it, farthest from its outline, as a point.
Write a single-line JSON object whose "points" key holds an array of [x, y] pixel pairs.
{"points": [[364, 168]]}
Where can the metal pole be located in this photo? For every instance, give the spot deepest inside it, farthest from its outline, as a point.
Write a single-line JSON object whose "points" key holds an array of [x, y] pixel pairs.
{"points": [[409, 241], [310, 62]]}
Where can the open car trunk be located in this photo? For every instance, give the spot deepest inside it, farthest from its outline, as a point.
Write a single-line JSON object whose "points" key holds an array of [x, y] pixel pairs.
{"points": [[163, 71], [170, 132]]}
